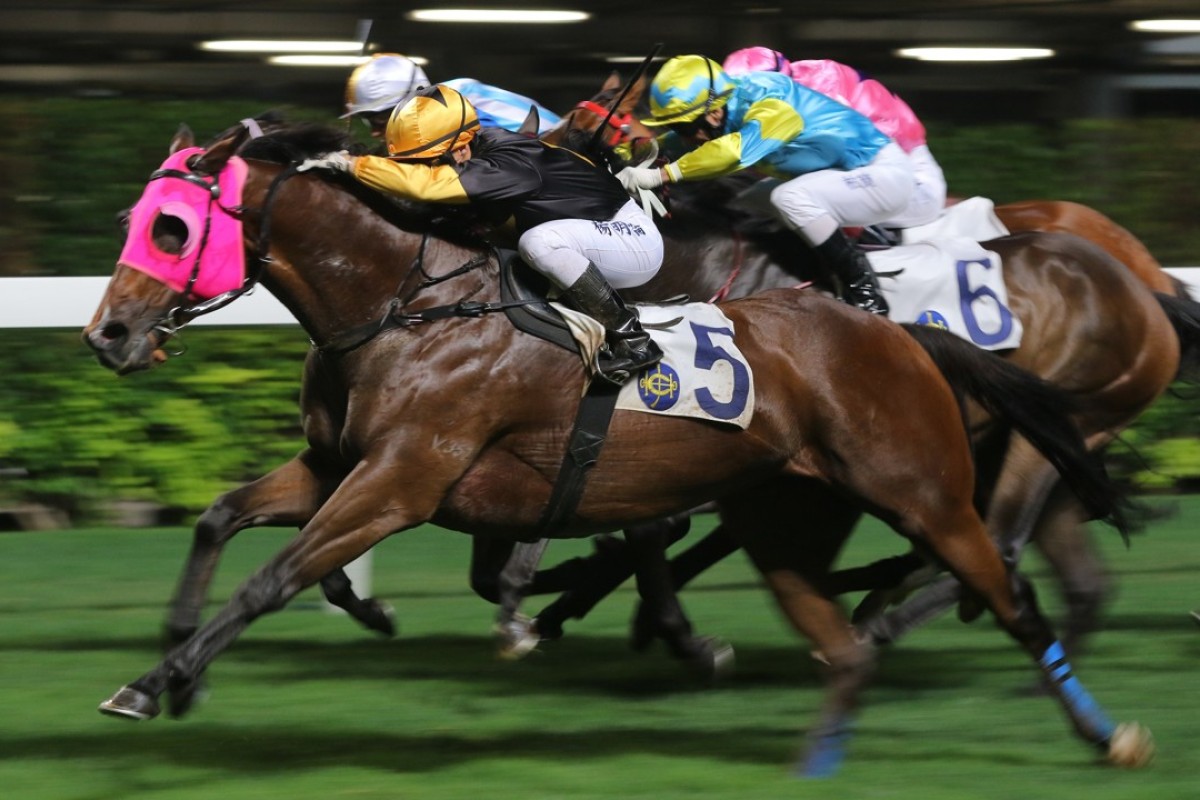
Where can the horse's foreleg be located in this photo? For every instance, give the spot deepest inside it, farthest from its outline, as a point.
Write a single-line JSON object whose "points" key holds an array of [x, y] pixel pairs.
{"points": [[371, 613], [288, 495], [515, 632], [363, 511]]}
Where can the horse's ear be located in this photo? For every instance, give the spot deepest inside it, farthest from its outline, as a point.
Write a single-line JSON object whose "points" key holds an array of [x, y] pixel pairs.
{"points": [[533, 121], [213, 160], [612, 84], [183, 138], [633, 97]]}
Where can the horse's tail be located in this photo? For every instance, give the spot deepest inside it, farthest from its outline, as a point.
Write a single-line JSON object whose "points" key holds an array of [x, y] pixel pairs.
{"points": [[1032, 407], [1184, 314]]}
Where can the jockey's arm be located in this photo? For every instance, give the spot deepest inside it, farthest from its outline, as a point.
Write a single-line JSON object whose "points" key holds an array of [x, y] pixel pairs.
{"points": [[768, 125], [432, 183]]}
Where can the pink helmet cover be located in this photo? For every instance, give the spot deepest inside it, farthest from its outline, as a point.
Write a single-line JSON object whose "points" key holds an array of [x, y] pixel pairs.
{"points": [[221, 254]]}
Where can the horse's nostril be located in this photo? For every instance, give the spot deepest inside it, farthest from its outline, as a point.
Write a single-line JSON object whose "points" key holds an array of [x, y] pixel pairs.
{"points": [[114, 331], [105, 336]]}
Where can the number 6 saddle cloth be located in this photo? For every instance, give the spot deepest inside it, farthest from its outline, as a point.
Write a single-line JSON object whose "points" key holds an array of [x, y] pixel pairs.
{"points": [[942, 276]]}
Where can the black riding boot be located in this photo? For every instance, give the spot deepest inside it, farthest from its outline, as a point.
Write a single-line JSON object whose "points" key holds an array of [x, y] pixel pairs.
{"points": [[630, 349], [850, 265]]}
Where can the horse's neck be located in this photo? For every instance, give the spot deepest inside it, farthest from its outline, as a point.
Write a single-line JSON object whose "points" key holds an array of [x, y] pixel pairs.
{"points": [[340, 267]]}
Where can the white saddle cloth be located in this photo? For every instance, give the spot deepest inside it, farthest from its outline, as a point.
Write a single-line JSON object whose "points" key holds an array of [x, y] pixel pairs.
{"points": [[939, 275], [702, 375]]}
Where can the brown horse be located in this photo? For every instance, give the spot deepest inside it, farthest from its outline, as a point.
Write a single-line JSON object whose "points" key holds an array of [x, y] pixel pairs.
{"points": [[1090, 324], [401, 434]]}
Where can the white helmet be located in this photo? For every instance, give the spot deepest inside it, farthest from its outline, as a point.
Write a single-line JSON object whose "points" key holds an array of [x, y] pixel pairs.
{"points": [[381, 84]]}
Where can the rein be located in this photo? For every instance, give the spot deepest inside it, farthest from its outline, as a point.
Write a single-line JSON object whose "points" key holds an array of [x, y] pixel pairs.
{"points": [[395, 317]]}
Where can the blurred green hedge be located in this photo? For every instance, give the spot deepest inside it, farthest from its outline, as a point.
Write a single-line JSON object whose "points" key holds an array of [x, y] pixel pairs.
{"points": [[76, 437]]}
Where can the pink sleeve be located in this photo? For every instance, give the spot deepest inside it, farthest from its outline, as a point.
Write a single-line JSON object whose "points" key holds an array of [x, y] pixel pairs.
{"points": [[827, 77], [889, 113]]}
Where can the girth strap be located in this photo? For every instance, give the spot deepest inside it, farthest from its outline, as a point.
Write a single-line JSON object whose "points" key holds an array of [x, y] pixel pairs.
{"points": [[583, 450]]}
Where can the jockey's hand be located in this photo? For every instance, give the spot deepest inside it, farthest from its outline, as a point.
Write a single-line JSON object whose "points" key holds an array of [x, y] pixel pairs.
{"points": [[634, 178], [337, 162]]}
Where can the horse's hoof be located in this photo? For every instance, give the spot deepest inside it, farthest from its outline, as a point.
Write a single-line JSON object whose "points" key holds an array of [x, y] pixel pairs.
{"points": [[381, 618], [1131, 745], [130, 703], [548, 630], [516, 638], [716, 659], [183, 698]]}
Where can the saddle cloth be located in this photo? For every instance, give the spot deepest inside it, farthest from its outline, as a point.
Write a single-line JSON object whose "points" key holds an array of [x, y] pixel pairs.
{"points": [[975, 218], [945, 278], [702, 375]]}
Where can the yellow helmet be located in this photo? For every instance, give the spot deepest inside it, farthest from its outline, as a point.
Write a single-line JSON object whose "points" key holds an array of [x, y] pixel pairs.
{"points": [[434, 122], [686, 88]]}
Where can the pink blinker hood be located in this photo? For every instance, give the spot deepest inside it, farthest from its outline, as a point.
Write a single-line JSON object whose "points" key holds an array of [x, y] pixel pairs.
{"points": [[218, 259]]}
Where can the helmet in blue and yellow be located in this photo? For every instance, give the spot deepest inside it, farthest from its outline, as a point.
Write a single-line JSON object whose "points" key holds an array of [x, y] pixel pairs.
{"points": [[382, 83], [434, 122], [687, 88]]}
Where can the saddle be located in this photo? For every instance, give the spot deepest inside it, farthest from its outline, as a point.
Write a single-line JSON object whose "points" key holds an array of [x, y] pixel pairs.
{"points": [[524, 286]]}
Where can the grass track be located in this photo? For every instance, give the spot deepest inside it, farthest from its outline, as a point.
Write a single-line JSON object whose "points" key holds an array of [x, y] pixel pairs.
{"points": [[306, 705]]}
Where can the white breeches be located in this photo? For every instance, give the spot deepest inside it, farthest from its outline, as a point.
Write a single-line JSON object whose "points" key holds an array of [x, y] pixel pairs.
{"points": [[929, 196], [817, 203], [628, 249]]}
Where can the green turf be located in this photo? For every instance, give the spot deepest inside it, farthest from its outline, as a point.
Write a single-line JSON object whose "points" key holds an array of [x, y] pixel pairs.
{"points": [[306, 705]]}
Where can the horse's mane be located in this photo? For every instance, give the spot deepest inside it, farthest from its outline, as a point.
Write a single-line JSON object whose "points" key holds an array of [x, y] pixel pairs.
{"points": [[292, 143]]}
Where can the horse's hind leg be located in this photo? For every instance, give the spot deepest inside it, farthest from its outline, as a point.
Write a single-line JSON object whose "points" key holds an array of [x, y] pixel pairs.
{"points": [[1064, 541], [958, 539], [288, 495], [797, 568]]}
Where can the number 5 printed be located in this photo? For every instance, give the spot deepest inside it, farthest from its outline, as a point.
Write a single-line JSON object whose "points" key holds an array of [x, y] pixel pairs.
{"points": [[709, 354]]}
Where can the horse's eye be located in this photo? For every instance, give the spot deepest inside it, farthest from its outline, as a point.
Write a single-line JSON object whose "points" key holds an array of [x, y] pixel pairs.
{"points": [[123, 222], [170, 234]]}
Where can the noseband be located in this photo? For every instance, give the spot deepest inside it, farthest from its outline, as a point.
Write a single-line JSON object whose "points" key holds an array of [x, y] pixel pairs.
{"points": [[620, 124]]}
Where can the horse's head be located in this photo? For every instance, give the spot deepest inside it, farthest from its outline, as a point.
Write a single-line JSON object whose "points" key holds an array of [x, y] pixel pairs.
{"points": [[620, 127], [183, 250]]}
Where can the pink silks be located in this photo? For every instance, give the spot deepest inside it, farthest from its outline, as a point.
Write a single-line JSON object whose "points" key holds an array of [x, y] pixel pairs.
{"points": [[212, 260]]}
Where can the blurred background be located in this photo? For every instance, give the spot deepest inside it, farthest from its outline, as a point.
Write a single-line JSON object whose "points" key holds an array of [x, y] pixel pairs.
{"points": [[1099, 103], [1100, 66]]}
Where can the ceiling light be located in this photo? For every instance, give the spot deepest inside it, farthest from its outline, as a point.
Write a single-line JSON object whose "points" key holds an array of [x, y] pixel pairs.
{"points": [[974, 53], [631, 59], [496, 15], [1166, 25], [311, 60], [281, 46]]}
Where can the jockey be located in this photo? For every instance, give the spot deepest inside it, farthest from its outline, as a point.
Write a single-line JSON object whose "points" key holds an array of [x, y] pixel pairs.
{"points": [[871, 98], [390, 79], [835, 167], [577, 226]]}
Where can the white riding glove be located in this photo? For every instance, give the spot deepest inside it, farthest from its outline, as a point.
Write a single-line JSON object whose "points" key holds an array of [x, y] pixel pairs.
{"points": [[634, 178], [337, 162]]}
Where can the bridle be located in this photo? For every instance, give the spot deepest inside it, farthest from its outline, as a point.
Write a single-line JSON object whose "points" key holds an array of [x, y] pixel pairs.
{"points": [[180, 316], [620, 125], [394, 315]]}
